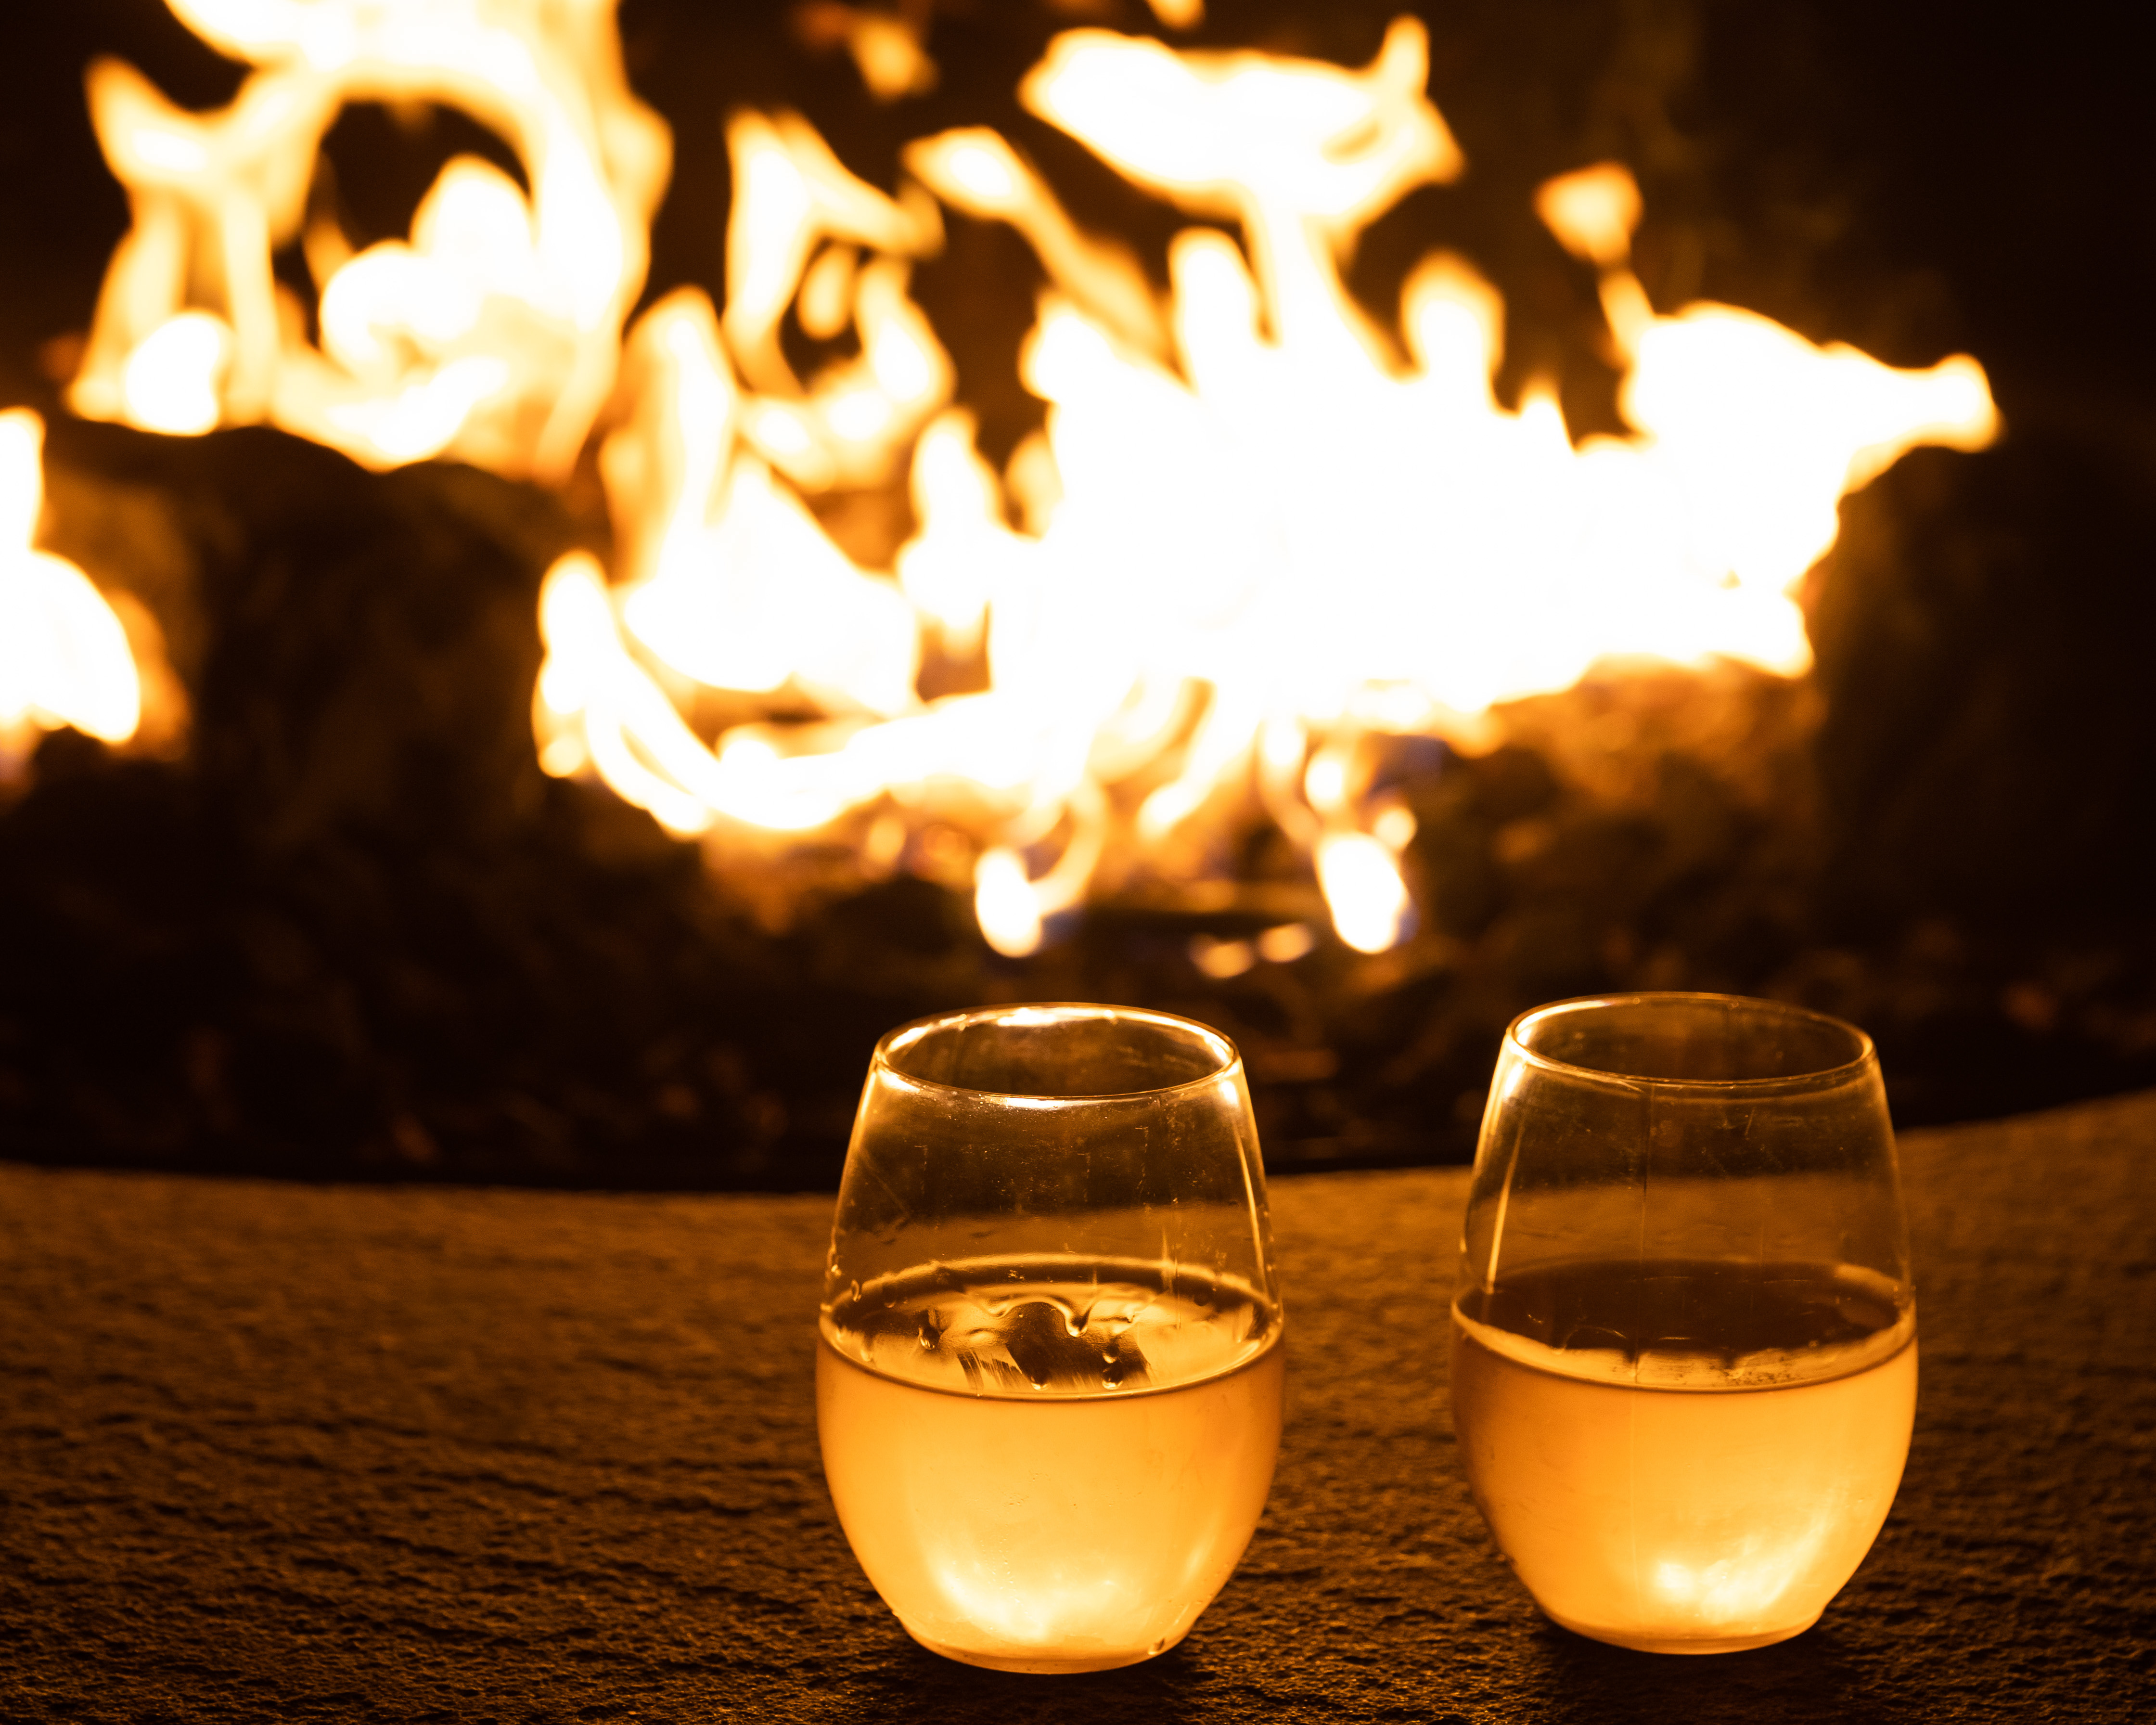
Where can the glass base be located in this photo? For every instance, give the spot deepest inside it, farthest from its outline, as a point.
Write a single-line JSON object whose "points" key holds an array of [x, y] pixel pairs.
{"points": [[1041, 1663], [1681, 1644]]}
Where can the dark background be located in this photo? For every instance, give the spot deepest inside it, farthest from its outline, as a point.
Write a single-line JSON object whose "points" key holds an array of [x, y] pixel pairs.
{"points": [[353, 931]]}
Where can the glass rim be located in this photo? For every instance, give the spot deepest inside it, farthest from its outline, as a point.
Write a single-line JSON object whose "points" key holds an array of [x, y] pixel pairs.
{"points": [[1867, 1054], [1229, 1057]]}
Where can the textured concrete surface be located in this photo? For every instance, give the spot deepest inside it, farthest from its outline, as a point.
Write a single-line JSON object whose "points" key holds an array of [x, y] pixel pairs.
{"points": [[276, 1452]]}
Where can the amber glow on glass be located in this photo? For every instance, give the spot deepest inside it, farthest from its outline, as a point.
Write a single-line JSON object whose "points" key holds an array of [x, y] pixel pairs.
{"points": [[1684, 1358], [1049, 1383]]}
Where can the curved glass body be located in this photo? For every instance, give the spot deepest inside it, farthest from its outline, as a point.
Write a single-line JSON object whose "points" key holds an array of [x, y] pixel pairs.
{"points": [[1049, 1388], [1684, 1360]]}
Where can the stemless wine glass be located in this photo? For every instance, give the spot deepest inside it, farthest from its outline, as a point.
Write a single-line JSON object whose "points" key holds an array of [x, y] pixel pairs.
{"points": [[1049, 1390], [1684, 1357]]}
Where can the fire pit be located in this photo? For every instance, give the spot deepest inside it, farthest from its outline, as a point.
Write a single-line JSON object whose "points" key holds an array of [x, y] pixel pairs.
{"points": [[1345, 583]]}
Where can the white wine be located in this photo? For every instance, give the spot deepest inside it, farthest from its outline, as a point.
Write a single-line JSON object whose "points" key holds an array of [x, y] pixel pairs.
{"points": [[1686, 1456], [1049, 1464]]}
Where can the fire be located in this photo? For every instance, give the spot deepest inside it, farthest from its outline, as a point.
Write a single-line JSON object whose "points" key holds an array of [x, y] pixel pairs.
{"points": [[1256, 529], [1259, 529], [491, 335], [887, 47], [64, 653]]}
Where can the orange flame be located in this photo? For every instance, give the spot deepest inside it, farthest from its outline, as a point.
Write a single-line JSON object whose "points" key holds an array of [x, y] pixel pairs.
{"points": [[491, 335], [887, 47], [1236, 565], [1257, 528], [64, 653]]}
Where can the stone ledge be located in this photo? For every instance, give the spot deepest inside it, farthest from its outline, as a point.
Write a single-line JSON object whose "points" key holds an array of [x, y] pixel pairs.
{"points": [[286, 1452]]}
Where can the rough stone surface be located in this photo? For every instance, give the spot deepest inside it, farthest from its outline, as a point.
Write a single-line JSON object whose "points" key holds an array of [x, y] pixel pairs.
{"points": [[292, 1453]]}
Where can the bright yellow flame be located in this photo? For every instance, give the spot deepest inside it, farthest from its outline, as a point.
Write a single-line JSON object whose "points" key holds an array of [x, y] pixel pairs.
{"points": [[492, 335], [825, 304], [1005, 904], [983, 171], [952, 569], [171, 382], [1304, 154], [976, 171], [730, 581], [1257, 527], [63, 656], [1593, 212], [1363, 890], [888, 53], [1253, 532], [797, 218]]}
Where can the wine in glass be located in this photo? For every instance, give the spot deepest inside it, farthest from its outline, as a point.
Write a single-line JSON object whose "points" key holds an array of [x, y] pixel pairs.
{"points": [[1684, 1356], [1049, 1388]]}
